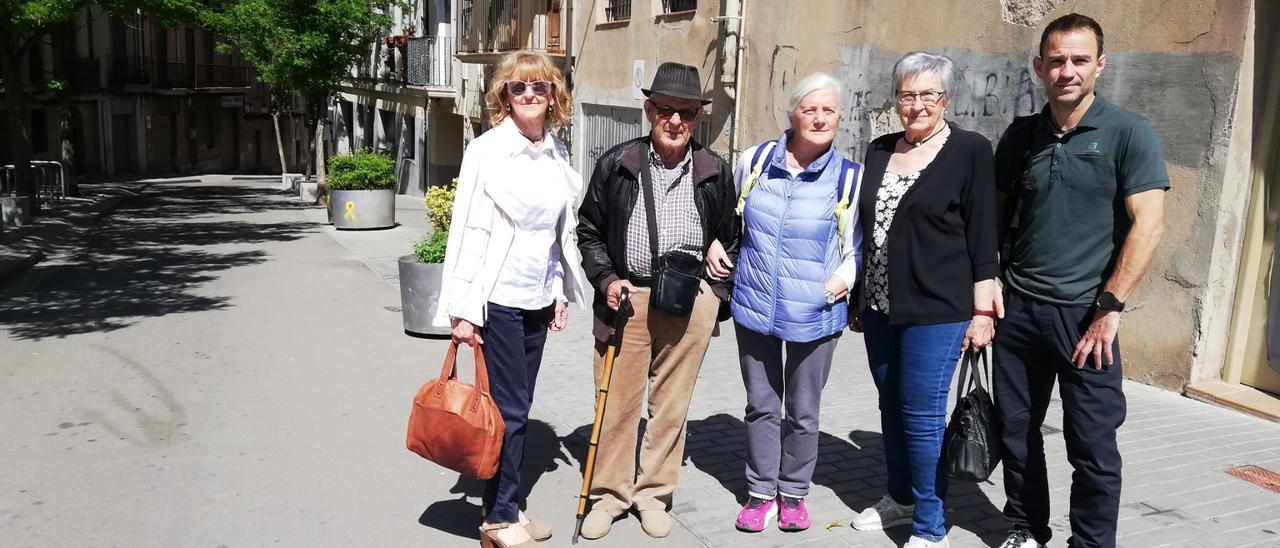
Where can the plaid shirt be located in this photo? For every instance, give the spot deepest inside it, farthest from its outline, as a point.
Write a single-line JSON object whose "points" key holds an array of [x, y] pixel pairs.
{"points": [[679, 224]]}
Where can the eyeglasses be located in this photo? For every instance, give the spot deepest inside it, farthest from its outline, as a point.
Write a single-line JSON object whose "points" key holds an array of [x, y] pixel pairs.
{"points": [[928, 98], [666, 112], [540, 87]]}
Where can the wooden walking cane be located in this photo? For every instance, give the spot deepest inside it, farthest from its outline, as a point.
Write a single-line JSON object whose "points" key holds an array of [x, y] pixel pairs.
{"points": [[602, 395]]}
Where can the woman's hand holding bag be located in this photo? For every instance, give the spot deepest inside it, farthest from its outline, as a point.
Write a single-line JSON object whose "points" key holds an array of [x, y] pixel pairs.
{"points": [[455, 424]]}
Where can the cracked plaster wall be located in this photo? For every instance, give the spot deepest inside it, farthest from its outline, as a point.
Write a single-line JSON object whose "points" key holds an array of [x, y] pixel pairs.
{"points": [[1177, 62]]}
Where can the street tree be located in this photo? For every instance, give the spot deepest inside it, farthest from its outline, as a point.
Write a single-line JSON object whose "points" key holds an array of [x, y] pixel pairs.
{"points": [[24, 24], [303, 47]]}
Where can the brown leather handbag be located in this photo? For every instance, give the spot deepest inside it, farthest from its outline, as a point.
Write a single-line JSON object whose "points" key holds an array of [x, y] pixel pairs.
{"points": [[455, 424]]}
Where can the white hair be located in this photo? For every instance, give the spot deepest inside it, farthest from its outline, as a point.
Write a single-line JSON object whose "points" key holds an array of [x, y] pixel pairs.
{"points": [[916, 63], [809, 84]]}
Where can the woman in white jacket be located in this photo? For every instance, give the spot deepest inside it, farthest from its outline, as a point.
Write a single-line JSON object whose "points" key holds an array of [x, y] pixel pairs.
{"points": [[511, 262]]}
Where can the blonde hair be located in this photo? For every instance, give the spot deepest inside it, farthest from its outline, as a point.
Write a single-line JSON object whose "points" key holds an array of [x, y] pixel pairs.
{"points": [[528, 65]]}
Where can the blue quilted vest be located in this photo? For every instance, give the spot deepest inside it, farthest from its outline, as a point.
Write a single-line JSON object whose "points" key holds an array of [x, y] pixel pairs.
{"points": [[789, 249]]}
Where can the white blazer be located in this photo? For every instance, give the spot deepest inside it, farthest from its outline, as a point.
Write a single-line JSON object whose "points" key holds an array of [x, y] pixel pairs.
{"points": [[480, 233]]}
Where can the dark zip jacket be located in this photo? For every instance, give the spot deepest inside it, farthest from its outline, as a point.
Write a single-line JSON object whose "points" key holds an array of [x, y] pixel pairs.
{"points": [[611, 199]]}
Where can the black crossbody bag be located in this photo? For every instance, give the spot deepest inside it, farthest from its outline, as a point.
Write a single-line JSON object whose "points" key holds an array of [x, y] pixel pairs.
{"points": [[677, 276]]}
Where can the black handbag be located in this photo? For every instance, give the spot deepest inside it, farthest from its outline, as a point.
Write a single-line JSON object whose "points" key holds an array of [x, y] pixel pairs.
{"points": [[677, 275], [971, 444]]}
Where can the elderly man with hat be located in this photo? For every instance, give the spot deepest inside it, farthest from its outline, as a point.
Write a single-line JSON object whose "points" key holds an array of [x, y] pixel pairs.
{"points": [[652, 208]]}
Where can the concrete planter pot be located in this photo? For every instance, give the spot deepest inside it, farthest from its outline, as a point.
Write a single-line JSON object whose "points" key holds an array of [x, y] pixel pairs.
{"points": [[420, 295], [362, 209], [309, 192], [15, 211]]}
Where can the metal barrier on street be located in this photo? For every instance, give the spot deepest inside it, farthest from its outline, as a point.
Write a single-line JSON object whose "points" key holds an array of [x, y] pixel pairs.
{"points": [[50, 176]]}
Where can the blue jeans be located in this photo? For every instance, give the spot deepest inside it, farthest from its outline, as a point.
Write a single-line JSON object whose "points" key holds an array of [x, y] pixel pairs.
{"points": [[912, 366]]}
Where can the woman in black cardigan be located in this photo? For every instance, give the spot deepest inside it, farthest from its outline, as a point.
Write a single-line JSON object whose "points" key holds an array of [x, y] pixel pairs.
{"points": [[929, 290]]}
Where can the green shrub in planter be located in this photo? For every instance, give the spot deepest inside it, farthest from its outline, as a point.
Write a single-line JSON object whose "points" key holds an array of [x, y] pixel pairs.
{"points": [[430, 249], [364, 170], [439, 204]]}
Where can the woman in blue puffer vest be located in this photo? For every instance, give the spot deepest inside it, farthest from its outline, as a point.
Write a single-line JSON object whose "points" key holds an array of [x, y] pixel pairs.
{"points": [[800, 254]]}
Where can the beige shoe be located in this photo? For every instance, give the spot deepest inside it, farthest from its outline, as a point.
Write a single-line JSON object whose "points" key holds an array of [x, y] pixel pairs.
{"points": [[655, 523], [505, 535], [597, 524], [537, 529]]}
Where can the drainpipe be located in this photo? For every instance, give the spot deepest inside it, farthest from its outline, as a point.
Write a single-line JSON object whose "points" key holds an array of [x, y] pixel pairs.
{"points": [[566, 38], [731, 66]]}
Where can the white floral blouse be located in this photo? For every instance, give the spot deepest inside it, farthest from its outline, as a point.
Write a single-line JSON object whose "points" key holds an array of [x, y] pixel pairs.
{"points": [[891, 192]]}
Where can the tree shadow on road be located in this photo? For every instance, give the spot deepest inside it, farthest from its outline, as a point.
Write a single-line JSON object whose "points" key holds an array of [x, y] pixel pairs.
{"points": [[852, 467], [149, 259], [184, 201], [461, 516]]}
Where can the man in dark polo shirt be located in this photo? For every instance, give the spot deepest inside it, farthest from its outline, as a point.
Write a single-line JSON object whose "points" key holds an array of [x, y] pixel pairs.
{"points": [[1083, 183]]}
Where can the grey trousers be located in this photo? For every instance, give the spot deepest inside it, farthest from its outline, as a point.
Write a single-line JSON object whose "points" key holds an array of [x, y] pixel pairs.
{"points": [[782, 450]]}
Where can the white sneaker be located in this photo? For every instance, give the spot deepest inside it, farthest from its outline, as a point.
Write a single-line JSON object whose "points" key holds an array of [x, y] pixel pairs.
{"points": [[1021, 538], [917, 542], [883, 515]]}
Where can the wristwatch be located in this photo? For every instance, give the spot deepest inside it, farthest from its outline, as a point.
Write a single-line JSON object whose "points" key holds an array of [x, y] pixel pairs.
{"points": [[1107, 302], [831, 297]]}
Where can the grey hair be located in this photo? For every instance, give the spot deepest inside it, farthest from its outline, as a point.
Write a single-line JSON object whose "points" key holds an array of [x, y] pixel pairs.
{"points": [[809, 84], [918, 62]]}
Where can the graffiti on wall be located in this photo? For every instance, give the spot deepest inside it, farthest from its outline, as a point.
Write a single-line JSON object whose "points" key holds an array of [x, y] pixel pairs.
{"points": [[989, 91], [1183, 96]]}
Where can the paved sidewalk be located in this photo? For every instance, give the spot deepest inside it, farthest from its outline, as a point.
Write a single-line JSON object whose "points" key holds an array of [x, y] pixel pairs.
{"points": [[214, 365], [1176, 450], [381, 249], [60, 224]]}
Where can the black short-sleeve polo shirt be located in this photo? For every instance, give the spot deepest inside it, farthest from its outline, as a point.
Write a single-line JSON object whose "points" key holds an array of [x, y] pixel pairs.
{"points": [[1070, 192]]}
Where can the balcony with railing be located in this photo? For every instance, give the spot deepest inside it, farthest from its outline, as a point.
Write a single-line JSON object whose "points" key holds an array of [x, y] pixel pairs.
{"points": [[129, 70], [430, 61], [203, 76], [86, 74], [491, 28]]}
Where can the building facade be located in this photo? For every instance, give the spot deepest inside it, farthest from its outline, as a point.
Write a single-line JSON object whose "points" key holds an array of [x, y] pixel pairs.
{"points": [[1201, 72], [1198, 71], [419, 96], [140, 99]]}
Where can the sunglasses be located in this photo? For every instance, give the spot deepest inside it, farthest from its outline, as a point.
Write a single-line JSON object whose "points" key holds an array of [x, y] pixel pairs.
{"points": [[517, 87], [666, 112]]}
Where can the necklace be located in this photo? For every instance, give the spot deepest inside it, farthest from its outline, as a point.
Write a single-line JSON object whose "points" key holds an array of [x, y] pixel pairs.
{"points": [[531, 139], [926, 139]]}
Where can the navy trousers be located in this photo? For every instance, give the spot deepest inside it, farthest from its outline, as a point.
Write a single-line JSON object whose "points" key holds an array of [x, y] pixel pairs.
{"points": [[513, 342], [1033, 347]]}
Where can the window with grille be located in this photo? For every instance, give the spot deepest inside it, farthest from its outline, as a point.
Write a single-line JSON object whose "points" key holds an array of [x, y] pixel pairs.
{"points": [[674, 6], [605, 126], [617, 10], [467, 11]]}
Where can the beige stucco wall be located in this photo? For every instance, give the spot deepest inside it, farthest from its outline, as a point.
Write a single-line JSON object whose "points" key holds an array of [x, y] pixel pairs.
{"points": [[604, 51], [1177, 62], [604, 54]]}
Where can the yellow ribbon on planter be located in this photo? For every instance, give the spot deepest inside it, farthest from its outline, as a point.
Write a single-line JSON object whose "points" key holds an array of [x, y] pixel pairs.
{"points": [[350, 215]]}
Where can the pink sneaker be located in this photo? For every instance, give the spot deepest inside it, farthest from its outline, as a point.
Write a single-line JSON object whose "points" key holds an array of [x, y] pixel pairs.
{"points": [[793, 516], [756, 514]]}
